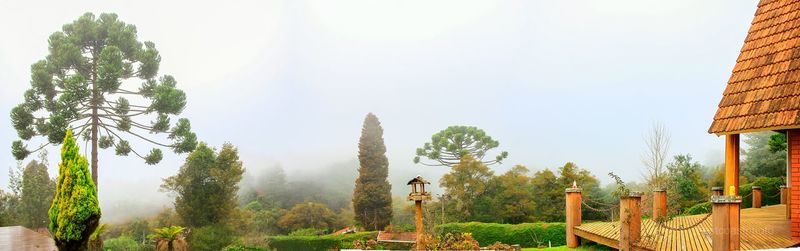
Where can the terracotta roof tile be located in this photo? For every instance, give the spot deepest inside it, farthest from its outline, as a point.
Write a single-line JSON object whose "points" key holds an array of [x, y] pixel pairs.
{"points": [[763, 92]]}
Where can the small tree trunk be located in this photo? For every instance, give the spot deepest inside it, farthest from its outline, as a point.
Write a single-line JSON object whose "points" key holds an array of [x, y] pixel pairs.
{"points": [[95, 121]]}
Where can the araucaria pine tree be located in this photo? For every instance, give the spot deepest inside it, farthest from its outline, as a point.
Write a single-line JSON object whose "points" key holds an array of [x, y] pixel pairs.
{"points": [[75, 212], [372, 197], [88, 83]]}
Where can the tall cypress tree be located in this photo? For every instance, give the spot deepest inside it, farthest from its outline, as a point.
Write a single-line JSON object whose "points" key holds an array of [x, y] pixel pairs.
{"points": [[372, 197], [75, 212]]}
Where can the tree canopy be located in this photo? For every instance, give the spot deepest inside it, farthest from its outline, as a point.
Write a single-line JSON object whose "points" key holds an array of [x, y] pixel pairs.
{"points": [[75, 212], [448, 146], [84, 84], [36, 194], [372, 196], [308, 215], [206, 185], [764, 156]]}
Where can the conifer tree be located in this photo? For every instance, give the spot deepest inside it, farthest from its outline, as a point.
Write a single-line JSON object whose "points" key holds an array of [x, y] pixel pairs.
{"points": [[372, 197], [75, 212]]}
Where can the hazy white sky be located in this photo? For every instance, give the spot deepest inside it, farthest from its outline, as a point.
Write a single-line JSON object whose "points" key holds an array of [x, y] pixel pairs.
{"points": [[290, 82]]}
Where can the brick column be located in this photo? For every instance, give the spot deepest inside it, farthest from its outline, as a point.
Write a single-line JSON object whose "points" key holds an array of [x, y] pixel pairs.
{"points": [[659, 203], [573, 213], [725, 223], [630, 215], [793, 199], [756, 197]]}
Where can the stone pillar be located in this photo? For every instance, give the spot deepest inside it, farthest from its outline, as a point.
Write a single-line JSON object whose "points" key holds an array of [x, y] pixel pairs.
{"points": [[659, 203], [756, 197], [630, 215], [725, 222], [573, 213], [783, 194], [716, 191]]}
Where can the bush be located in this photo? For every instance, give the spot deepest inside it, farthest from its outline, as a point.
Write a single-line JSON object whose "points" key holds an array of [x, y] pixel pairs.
{"points": [[306, 232], [242, 248], [318, 243], [122, 243], [700, 208], [525, 234], [770, 186], [211, 238]]}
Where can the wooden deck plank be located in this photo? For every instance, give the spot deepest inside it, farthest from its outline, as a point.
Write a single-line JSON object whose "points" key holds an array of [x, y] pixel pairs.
{"points": [[20, 238], [761, 228]]}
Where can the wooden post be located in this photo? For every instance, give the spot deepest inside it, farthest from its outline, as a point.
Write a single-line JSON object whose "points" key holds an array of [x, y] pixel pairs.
{"points": [[756, 197], [418, 223], [732, 164], [716, 191], [630, 215], [725, 221], [659, 203], [783, 194], [573, 213]]}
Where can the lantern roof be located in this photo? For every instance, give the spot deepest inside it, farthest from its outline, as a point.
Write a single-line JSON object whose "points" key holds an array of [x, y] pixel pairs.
{"points": [[418, 180]]}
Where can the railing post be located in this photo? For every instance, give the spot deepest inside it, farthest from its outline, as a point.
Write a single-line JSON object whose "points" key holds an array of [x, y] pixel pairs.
{"points": [[573, 213], [630, 215], [783, 194], [756, 196], [659, 203], [725, 231], [716, 191]]}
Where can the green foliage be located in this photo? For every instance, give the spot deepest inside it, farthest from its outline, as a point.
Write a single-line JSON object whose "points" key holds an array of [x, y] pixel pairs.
{"points": [[467, 184], [762, 158], [123, 243], [206, 185], [78, 85], [167, 233], [448, 146], [777, 142], [525, 234], [309, 215], [307, 232], [318, 243], [686, 186], [699, 208], [242, 248], [211, 238], [75, 212], [769, 186], [513, 198], [372, 196], [36, 195]]}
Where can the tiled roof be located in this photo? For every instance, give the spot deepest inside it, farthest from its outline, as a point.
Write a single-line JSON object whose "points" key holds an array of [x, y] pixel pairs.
{"points": [[763, 92], [404, 237]]}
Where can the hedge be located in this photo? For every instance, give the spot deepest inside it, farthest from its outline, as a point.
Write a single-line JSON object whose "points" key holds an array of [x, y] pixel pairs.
{"points": [[318, 243], [769, 188], [525, 234]]}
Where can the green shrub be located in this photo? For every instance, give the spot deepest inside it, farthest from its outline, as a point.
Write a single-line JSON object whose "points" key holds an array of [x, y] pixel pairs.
{"points": [[770, 186], [211, 238], [318, 243], [242, 248], [122, 243], [525, 234], [306, 232], [699, 208]]}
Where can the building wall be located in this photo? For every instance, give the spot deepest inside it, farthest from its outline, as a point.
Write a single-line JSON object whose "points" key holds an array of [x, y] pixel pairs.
{"points": [[794, 170]]}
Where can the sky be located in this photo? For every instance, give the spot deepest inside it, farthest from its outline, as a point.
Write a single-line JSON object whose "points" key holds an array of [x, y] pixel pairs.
{"points": [[290, 82]]}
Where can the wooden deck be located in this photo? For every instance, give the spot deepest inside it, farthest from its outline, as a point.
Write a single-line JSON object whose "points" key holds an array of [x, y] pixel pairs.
{"points": [[20, 238], [761, 228]]}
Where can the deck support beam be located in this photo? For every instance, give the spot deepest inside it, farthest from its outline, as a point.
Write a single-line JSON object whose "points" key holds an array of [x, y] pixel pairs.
{"points": [[630, 215], [756, 197], [659, 203], [726, 223], [573, 214], [732, 164]]}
